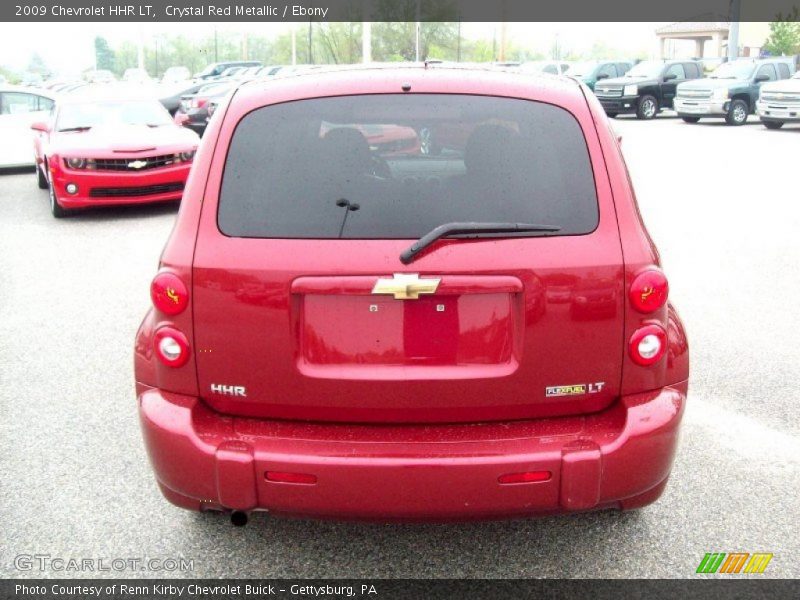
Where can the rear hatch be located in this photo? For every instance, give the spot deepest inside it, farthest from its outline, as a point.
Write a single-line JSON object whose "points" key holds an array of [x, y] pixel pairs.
{"points": [[303, 309]]}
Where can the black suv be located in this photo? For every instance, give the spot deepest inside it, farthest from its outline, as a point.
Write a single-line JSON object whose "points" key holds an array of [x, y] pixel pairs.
{"points": [[646, 88]]}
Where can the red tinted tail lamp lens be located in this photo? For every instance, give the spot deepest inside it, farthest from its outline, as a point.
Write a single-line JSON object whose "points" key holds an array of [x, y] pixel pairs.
{"points": [[171, 347], [526, 477], [649, 291], [281, 477], [648, 345], [169, 293]]}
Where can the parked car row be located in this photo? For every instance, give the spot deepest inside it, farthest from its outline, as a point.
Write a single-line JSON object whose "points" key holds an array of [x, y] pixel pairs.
{"points": [[733, 91], [189, 106]]}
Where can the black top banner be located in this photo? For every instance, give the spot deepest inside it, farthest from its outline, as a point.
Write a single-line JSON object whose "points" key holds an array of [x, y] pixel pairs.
{"points": [[399, 10]]}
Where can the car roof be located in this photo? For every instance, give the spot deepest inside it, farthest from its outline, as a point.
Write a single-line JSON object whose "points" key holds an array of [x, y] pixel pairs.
{"points": [[469, 71], [28, 90], [439, 78]]}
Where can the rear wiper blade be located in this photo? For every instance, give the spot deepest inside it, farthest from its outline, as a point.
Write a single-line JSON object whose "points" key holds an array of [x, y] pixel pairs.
{"points": [[470, 229], [83, 128]]}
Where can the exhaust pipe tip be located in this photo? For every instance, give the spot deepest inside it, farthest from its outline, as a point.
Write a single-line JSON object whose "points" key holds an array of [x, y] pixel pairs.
{"points": [[239, 518]]}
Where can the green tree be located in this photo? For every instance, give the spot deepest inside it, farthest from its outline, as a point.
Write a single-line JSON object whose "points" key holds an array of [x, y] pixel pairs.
{"points": [[337, 43], [37, 65], [784, 35], [103, 54], [126, 56], [397, 41], [11, 76]]}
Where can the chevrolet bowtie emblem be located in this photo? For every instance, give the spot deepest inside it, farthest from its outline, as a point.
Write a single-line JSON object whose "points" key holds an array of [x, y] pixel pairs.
{"points": [[137, 164], [405, 286]]}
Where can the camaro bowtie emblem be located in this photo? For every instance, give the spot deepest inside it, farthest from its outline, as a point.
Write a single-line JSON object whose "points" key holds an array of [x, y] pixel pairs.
{"points": [[137, 164], [405, 286]]}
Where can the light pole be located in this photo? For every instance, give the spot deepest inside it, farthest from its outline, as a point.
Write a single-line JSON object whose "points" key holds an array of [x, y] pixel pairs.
{"points": [[366, 41], [418, 25], [733, 31]]}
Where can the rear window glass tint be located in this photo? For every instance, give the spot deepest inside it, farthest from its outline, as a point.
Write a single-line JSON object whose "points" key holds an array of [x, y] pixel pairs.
{"points": [[396, 166]]}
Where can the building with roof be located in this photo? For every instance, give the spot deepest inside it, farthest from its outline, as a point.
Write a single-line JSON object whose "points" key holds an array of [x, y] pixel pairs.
{"points": [[710, 39]]}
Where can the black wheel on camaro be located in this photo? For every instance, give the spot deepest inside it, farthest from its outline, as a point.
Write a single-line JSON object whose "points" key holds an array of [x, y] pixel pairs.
{"points": [[691, 119], [647, 107], [58, 211], [42, 180], [772, 124], [612, 115], [737, 113]]}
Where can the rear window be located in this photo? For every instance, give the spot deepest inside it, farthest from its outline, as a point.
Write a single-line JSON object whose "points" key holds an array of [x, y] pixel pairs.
{"points": [[396, 166]]}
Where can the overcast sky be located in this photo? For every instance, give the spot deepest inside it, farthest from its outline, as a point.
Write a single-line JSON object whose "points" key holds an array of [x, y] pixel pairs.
{"points": [[69, 47]]}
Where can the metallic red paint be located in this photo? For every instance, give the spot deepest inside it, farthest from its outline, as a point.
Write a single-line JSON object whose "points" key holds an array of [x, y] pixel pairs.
{"points": [[206, 461], [436, 424]]}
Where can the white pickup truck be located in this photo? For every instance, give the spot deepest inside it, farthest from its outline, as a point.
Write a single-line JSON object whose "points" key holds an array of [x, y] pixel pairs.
{"points": [[779, 102]]}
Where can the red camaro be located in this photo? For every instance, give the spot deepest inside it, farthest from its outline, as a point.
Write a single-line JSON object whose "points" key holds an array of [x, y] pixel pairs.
{"points": [[339, 329], [96, 152]]}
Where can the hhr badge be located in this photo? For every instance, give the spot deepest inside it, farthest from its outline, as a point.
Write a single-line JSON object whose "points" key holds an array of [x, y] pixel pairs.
{"points": [[229, 390], [577, 389], [405, 286]]}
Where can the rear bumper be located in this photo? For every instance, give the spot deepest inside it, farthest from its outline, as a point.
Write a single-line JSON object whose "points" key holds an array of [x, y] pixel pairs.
{"points": [[699, 108], [772, 111], [618, 458]]}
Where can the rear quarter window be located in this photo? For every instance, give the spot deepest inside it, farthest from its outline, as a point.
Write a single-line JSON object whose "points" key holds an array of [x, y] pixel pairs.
{"points": [[396, 166]]}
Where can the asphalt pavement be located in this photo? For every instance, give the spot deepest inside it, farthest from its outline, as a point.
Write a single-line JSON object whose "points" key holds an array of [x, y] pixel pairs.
{"points": [[723, 206]]}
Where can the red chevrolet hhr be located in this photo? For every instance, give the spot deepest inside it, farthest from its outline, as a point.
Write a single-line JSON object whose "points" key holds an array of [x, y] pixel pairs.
{"points": [[351, 329]]}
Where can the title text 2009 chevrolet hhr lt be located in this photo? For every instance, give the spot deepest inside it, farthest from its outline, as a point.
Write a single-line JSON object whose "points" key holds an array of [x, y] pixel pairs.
{"points": [[410, 293]]}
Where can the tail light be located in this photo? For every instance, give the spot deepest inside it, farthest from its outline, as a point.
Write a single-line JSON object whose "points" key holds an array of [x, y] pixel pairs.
{"points": [[169, 293], [647, 345], [526, 477], [171, 347], [649, 291]]}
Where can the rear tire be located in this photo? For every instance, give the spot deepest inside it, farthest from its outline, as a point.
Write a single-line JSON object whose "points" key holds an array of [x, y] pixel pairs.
{"points": [[772, 124], [58, 211], [647, 108], [737, 113], [42, 180], [612, 115], [690, 119]]}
